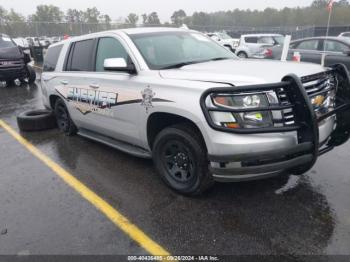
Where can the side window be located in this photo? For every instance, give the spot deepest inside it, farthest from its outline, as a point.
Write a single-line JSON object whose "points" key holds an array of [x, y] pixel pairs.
{"points": [[81, 56], [308, 45], [51, 58], [251, 40], [109, 47], [335, 46], [266, 40]]}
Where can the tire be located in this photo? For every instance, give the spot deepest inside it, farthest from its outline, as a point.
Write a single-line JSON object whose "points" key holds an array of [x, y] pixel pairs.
{"points": [[180, 158], [36, 120], [242, 55], [31, 74], [64, 122]]}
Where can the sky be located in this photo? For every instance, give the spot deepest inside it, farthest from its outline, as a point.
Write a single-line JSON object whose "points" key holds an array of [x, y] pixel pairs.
{"points": [[164, 8]]}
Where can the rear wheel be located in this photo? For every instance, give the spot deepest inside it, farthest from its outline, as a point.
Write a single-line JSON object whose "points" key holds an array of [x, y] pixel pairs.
{"points": [[180, 158], [64, 122]]}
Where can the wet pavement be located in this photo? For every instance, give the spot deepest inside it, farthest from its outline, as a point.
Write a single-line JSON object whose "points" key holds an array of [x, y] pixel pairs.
{"points": [[287, 215]]}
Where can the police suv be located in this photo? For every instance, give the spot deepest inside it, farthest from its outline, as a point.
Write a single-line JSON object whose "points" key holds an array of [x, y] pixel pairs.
{"points": [[199, 111]]}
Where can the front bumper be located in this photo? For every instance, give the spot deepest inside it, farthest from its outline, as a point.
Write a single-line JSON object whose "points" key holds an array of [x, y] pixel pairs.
{"points": [[13, 72], [309, 132]]}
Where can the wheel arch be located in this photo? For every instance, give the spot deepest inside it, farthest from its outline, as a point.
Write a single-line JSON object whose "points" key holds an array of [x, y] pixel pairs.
{"points": [[158, 121], [52, 99]]}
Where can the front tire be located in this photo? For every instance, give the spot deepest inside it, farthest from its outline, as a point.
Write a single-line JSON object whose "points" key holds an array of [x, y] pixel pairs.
{"points": [[180, 157], [31, 74], [242, 55], [64, 122]]}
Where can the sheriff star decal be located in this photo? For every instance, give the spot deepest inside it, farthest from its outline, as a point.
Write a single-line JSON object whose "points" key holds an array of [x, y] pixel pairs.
{"points": [[147, 97]]}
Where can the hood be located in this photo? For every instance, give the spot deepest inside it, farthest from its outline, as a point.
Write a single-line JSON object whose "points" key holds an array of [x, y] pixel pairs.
{"points": [[241, 72], [11, 53]]}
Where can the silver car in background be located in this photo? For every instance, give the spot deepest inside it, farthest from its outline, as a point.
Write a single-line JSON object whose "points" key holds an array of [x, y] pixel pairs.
{"points": [[255, 45]]}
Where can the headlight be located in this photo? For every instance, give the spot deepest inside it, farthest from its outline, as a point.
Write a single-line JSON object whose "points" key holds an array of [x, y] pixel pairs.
{"points": [[248, 119], [241, 101]]}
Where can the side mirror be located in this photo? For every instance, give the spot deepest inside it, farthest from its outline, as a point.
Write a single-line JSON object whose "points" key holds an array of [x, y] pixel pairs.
{"points": [[347, 52], [118, 64]]}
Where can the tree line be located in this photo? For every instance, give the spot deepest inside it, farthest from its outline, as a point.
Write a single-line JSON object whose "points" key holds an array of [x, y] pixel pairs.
{"points": [[51, 20]]}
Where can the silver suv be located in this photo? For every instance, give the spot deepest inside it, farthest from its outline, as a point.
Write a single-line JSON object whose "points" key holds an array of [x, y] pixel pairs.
{"points": [[201, 113]]}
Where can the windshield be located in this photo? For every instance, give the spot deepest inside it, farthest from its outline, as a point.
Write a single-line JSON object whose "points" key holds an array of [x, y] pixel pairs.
{"points": [[6, 42], [166, 49]]}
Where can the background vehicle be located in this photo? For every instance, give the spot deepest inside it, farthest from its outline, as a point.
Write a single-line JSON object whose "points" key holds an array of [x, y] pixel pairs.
{"points": [[20, 41], [14, 62], [254, 45], [337, 50], [44, 42], [178, 97], [225, 40], [345, 34]]}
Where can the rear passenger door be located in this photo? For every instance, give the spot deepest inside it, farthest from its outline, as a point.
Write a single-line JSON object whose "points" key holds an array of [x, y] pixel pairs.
{"points": [[75, 80], [105, 102]]}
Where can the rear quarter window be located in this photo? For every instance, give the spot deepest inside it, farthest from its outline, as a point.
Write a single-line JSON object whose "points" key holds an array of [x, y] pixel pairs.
{"points": [[51, 58]]}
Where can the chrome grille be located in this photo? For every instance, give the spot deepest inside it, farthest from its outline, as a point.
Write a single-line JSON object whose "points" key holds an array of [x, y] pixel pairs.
{"points": [[319, 83], [322, 86], [11, 63]]}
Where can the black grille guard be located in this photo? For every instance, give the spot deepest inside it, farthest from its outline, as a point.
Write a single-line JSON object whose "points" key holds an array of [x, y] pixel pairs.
{"points": [[306, 121]]}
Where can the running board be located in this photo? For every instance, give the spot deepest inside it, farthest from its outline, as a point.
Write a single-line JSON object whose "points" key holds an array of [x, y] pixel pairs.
{"points": [[122, 146]]}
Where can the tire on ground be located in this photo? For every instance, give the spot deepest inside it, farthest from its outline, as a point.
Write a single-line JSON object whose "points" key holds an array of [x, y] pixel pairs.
{"points": [[36, 120], [185, 133]]}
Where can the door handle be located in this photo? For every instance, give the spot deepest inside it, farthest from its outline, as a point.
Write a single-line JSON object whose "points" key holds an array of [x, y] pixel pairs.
{"points": [[94, 85], [64, 82]]}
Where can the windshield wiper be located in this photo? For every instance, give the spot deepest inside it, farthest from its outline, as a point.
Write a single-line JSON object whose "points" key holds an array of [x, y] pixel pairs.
{"points": [[179, 65]]}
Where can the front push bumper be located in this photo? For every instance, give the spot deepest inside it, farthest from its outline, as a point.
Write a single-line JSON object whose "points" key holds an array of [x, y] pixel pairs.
{"points": [[297, 159]]}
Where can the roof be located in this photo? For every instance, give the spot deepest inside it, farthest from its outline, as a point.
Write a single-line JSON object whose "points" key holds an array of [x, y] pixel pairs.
{"points": [[130, 31], [142, 30], [261, 35], [339, 38]]}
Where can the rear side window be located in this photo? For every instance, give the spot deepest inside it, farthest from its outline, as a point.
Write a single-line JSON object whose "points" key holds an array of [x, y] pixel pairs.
{"points": [[266, 40], [251, 40], [335, 46], [51, 58], [81, 56]]}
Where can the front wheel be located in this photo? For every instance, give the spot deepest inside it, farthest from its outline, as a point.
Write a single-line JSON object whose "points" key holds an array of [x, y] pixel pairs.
{"points": [[31, 74], [180, 158], [242, 55]]}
